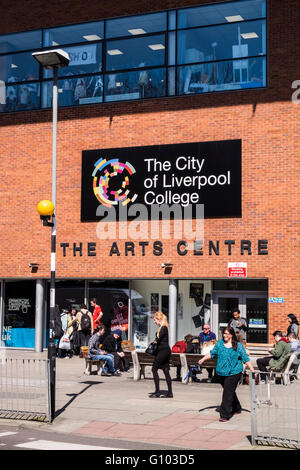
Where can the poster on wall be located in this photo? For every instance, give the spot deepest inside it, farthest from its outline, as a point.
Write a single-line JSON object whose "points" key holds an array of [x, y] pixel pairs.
{"points": [[189, 174], [120, 316]]}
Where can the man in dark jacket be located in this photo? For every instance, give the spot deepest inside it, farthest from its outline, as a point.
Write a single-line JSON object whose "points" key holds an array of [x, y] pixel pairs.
{"points": [[113, 345], [96, 353]]}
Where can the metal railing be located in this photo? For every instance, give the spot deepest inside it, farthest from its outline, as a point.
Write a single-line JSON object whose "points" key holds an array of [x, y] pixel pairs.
{"points": [[275, 410], [24, 389]]}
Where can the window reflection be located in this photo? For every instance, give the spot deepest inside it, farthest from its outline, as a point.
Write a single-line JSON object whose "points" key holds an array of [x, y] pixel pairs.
{"points": [[135, 25], [22, 97], [221, 76], [21, 41], [84, 59], [221, 42], [221, 13], [135, 85], [135, 53], [74, 34], [74, 91], [215, 48], [18, 67]]}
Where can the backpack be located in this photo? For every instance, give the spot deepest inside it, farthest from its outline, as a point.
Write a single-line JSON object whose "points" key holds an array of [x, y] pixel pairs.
{"points": [[179, 347], [85, 323]]}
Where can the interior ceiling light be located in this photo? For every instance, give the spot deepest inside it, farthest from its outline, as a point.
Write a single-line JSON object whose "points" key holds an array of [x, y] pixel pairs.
{"points": [[232, 19], [156, 47], [13, 66], [137, 31], [249, 35], [55, 43], [114, 52], [92, 37]]}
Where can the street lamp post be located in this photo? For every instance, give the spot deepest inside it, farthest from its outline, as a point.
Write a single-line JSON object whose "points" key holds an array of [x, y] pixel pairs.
{"points": [[52, 59]]}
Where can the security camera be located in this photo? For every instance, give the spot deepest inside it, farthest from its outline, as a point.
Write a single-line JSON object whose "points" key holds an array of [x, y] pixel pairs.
{"points": [[166, 265], [33, 265]]}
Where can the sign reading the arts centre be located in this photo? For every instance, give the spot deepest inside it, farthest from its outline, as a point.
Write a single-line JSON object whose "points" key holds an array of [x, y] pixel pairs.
{"points": [[207, 173]]}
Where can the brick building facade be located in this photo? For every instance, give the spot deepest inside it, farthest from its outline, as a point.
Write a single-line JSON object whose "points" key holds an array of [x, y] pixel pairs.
{"points": [[264, 119]]}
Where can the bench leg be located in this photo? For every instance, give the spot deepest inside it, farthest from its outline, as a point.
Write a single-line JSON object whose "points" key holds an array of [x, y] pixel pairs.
{"points": [[100, 366], [136, 366], [87, 368], [184, 367]]}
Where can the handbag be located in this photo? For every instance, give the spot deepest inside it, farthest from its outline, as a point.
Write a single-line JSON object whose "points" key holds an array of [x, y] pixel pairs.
{"points": [[152, 349], [65, 343]]}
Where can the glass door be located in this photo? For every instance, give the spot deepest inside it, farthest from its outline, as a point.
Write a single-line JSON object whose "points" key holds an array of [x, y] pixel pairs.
{"points": [[257, 318], [223, 308], [254, 308]]}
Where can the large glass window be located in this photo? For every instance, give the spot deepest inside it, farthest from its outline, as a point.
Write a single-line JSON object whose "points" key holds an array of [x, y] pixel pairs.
{"points": [[135, 85], [221, 13], [135, 25], [230, 41], [135, 52], [74, 34], [74, 91], [113, 300], [22, 97], [21, 41], [19, 314], [208, 48], [18, 68], [84, 59]]}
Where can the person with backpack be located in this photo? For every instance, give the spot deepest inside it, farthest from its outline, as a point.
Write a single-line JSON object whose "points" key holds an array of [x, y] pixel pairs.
{"points": [[84, 318]]}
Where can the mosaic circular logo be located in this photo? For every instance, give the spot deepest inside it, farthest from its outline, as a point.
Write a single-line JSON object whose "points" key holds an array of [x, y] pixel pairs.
{"points": [[111, 179]]}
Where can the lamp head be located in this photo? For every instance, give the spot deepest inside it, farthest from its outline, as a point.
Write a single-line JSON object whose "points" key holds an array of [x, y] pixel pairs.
{"points": [[52, 58]]}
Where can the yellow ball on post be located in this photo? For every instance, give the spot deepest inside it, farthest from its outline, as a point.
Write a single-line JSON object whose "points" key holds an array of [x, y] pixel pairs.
{"points": [[45, 207]]}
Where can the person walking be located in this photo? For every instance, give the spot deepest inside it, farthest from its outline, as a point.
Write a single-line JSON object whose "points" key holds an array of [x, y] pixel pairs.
{"points": [[162, 358], [230, 356], [293, 325]]}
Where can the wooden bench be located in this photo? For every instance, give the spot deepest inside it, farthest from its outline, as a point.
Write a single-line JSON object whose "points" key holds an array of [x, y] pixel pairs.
{"points": [[140, 360], [89, 363]]}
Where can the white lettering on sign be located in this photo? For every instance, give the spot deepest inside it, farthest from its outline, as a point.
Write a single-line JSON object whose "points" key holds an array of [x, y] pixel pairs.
{"points": [[6, 335], [15, 305], [82, 55]]}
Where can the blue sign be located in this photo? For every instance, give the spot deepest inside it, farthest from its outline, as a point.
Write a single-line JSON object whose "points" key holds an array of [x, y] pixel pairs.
{"points": [[276, 300]]}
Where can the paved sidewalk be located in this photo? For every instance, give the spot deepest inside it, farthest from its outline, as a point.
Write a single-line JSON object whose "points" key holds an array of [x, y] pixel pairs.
{"points": [[119, 408]]}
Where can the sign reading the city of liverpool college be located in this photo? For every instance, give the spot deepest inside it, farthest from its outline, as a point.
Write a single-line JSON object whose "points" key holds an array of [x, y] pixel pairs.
{"points": [[191, 174]]}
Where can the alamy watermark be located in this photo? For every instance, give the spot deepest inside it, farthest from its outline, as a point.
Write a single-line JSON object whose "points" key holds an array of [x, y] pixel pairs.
{"points": [[139, 222]]}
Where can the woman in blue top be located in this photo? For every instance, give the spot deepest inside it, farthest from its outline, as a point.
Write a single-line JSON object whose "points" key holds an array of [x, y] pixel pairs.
{"points": [[230, 356]]}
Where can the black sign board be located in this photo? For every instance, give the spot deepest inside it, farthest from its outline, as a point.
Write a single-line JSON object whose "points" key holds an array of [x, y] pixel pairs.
{"points": [[189, 174]]}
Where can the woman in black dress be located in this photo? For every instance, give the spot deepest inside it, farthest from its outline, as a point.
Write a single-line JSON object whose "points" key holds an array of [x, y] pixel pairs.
{"points": [[162, 357]]}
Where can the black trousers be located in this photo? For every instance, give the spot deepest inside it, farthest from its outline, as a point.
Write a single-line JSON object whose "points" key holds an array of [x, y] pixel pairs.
{"points": [[262, 364], [84, 338], [230, 403]]}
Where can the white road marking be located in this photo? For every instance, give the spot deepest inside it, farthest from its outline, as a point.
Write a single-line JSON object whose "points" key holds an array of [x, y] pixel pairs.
{"points": [[53, 445], [8, 433]]}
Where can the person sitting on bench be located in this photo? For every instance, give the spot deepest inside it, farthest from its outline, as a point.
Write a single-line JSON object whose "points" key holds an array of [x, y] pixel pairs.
{"points": [[95, 353], [279, 354]]}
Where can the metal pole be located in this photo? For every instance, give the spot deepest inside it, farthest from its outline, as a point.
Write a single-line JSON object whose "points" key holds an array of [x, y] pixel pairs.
{"points": [[173, 290], [51, 346], [39, 308]]}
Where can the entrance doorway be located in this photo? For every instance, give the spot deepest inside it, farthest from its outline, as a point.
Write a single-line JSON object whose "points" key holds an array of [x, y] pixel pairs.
{"points": [[253, 307]]}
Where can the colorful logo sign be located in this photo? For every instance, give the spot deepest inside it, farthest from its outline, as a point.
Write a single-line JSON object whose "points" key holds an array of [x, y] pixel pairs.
{"points": [[111, 180]]}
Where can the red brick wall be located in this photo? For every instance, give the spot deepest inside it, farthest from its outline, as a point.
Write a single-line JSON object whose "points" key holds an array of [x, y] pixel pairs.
{"points": [[266, 121]]}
